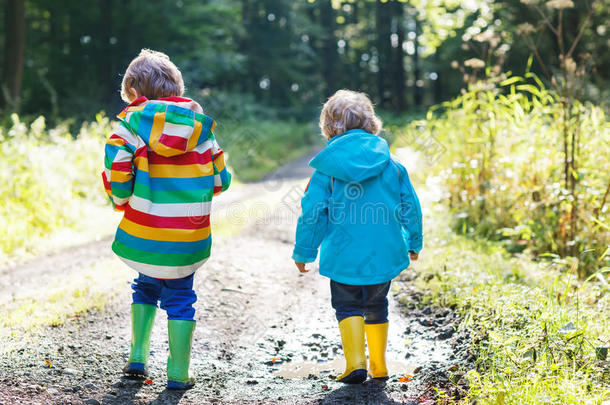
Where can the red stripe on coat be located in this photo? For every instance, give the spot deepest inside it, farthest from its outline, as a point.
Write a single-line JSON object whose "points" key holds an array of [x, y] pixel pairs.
{"points": [[141, 151], [176, 99], [188, 158], [106, 182], [176, 142], [155, 221], [121, 166]]}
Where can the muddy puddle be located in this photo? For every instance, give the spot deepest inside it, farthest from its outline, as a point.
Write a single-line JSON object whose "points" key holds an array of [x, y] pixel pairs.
{"points": [[333, 368], [322, 356]]}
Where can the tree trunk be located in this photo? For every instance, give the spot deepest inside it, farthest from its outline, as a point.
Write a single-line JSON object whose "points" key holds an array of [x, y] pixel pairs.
{"points": [[248, 14], [418, 90], [14, 53], [438, 86], [329, 48], [107, 67], [384, 51], [354, 68], [399, 62]]}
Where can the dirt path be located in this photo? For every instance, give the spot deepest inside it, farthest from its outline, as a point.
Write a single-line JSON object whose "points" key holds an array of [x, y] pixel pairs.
{"points": [[265, 334]]}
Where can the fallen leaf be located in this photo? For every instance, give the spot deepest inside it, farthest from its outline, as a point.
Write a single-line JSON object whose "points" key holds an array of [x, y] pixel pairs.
{"points": [[148, 381], [48, 363], [325, 387], [405, 378], [275, 359]]}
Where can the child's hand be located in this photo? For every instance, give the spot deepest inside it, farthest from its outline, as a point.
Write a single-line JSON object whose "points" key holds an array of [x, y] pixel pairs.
{"points": [[413, 255], [301, 267]]}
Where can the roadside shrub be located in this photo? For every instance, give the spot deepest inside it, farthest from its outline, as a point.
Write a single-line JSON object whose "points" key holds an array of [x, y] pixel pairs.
{"points": [[504, 169], [45, 177]]}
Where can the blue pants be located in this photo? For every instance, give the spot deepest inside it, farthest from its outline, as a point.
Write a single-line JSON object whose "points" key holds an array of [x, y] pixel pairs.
{"points": [[177, 296], [369, 301]]}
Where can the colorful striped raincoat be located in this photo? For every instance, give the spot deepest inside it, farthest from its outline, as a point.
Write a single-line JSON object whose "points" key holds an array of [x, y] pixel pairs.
{"points": [[162, 168]]}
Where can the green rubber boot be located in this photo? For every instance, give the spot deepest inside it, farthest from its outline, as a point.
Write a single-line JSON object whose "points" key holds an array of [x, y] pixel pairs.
{"points": [[142, 320], [180, 336]]}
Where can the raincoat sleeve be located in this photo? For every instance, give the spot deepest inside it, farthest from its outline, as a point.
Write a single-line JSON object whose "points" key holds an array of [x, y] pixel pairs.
{"points": [[313, 222], [410, 213], [118, 175], [222, 177]]}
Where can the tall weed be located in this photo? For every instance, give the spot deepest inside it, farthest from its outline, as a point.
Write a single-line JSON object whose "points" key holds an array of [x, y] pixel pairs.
{"points": [[503, 170], [45, 177]]}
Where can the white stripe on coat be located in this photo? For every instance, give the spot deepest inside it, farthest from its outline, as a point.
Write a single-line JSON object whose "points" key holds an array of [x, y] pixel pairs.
{"points": [[166, 272], [170, 209]]}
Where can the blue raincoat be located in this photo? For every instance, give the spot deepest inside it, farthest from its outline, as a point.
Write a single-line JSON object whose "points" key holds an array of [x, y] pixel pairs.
{"points": [[361, 210]]}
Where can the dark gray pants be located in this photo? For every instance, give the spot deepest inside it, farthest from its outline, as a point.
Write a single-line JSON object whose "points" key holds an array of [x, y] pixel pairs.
{"points": [[369, 301]]}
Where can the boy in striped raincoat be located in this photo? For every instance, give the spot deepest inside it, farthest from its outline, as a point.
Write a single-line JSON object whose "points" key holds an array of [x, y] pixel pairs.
{"points": [[162, 168]]}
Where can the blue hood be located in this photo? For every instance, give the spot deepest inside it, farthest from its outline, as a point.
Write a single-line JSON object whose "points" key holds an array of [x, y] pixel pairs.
{"points": [[353, 156]]}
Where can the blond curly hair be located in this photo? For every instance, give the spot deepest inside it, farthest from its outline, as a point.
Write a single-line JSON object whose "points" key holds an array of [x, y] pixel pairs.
{"points": [[347, 110], [153, 75]]}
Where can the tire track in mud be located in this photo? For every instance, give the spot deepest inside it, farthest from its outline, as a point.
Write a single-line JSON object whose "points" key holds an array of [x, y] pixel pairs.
{"points": [[265, 334]]}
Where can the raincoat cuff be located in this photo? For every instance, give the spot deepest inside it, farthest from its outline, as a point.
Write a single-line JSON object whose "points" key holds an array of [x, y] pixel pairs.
{"points": [[304, 255], [415, 245]]}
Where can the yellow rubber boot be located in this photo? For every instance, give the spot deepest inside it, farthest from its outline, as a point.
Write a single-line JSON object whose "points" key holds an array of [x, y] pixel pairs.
{"points": [[377, 339], [352, 338]]}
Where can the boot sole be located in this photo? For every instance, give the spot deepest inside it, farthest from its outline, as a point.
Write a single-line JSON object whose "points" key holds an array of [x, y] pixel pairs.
{"points": [[355, 377], [179, 385], [136, 371]]}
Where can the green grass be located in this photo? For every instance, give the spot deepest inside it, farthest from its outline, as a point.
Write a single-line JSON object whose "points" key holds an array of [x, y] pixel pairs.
{"points": [[54, 301], [539, 326]]}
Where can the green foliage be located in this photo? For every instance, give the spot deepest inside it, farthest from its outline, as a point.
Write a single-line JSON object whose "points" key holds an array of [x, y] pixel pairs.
{"points": [[503, 170], [292, 54], [538, 333], [46, 176], [87, 288], [258, 139], [256, 147]]}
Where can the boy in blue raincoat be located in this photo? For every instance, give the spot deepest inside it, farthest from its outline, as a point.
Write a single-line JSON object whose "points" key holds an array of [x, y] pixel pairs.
{"points": [[361, 210]]}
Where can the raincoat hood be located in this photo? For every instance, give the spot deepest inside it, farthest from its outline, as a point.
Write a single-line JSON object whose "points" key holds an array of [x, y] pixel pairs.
{"points": [[162, 168], [360, 211], [353, 156], [170, 126]]}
